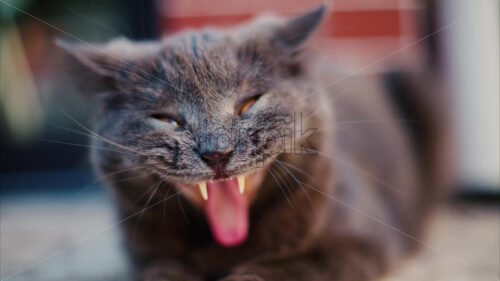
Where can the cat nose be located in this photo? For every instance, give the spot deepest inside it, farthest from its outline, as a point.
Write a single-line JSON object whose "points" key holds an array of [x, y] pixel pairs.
{"points": [[216, 159]]}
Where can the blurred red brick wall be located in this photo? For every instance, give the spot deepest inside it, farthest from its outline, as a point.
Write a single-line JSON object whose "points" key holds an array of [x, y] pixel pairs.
{"points": [[357, 32]]}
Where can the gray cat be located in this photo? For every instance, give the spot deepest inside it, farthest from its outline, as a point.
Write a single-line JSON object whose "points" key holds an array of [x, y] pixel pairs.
{"points": [[230, 156]]}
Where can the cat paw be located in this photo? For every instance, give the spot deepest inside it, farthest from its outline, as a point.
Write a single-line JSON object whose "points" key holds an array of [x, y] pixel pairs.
{"points": [[243, 277], [168, 271]]}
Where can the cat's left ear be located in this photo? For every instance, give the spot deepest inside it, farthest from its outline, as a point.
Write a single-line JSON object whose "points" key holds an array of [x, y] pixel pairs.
{"points": [[296, 30]]}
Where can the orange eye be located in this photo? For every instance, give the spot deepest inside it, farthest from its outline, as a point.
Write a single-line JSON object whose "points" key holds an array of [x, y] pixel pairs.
{"points": [[166, 119], [247, 105]]}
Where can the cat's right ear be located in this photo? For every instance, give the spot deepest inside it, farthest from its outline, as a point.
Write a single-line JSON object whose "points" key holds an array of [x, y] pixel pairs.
{"points": [[101, 67], [93, 68], [97, 59]]}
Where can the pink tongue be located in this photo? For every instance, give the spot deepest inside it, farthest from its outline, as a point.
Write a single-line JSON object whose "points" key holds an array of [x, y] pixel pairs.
{"points": [[227, 212]]}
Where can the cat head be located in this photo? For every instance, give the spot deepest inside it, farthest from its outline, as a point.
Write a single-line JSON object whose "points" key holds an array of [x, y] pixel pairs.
{"points": [[200, 105]]}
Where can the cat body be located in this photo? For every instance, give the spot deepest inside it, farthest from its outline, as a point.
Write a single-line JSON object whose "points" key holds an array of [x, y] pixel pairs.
{"points": [[329, 195]]}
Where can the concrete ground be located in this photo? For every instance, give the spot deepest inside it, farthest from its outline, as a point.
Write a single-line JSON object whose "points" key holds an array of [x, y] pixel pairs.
{"points": [[76, 238]]}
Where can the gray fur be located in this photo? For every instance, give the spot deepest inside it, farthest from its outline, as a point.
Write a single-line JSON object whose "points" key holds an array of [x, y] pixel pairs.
{"points": [[200, 78], [298, 232]]}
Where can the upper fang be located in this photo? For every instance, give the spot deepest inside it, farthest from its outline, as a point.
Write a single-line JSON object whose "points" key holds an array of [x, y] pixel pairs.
{"points": [[203, 189], [241, 184]]}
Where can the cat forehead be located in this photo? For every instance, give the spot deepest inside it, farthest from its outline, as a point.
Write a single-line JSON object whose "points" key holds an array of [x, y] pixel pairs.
{"points": [[200, 63], [194, 40]]}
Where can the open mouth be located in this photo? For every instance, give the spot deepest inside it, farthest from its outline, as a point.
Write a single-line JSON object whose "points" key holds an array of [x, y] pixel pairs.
{"points": [[204, 189], [226, 209], [225, 203]]}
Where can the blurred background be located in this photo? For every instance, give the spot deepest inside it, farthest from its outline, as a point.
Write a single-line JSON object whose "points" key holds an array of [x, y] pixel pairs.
{"points": [[55, 217]]}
